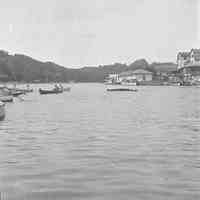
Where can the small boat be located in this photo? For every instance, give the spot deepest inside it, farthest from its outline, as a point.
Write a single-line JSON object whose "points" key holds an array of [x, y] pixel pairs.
{"points": [[2, 110], [24, 91], [6, 98], [122, 90], [16, 93], [41, 91], [129, 83]]}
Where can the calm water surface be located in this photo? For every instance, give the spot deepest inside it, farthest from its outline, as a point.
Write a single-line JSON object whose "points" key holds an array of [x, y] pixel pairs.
{"points": [[93, 144]]}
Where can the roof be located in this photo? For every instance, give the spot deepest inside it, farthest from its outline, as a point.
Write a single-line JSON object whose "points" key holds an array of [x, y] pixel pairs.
{"points": [[195, 50], [3, 75], [141, 71], [184, 54], [165, 67], [137, 71]]}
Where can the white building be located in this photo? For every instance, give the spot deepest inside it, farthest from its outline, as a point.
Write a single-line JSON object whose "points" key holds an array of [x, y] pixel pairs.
{"points": [[189, 65], [136, 75], [188, 59]]}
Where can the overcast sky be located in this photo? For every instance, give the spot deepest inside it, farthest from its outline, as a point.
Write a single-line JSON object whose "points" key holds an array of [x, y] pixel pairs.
{"points": [[76, 33]]}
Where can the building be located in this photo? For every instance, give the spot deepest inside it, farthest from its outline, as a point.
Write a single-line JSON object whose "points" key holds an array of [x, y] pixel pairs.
{"points": [[188, 59], [189, 65], [182, 59], [136, 76]]}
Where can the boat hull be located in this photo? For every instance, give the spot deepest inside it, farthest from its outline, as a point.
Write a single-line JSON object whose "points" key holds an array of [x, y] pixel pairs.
{"points": [[129, 83], [6, 99], [121, 90], [41, 91], [16, 93]]}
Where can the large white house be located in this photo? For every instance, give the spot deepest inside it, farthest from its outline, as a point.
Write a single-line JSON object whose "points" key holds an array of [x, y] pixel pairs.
{"points": [[188, 59], [189, 65]]}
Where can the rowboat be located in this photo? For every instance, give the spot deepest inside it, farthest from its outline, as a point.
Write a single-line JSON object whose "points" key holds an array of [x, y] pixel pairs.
{"points": [[41, 91], [18, 91], [24, 91], [122, 90], [2, 110], [6, 98]]}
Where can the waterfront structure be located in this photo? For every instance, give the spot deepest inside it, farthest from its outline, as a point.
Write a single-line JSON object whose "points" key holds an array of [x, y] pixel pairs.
{"points": [[112, 79], [163, 71]]}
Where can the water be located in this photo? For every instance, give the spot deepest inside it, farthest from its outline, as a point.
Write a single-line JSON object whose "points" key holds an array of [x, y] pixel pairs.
{"points": [[93, 144]]}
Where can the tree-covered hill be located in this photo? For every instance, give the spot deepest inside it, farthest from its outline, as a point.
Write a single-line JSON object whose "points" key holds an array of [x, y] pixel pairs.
{"points": [[20, 67]]}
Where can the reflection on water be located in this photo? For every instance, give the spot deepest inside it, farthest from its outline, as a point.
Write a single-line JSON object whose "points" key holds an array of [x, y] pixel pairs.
{"points": [[92, 144]]}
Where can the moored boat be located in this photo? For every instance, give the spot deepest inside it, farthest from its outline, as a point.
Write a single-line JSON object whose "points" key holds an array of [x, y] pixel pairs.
{"points": [[2, 110], [23, 90], [54, 91], [121, 90], [129, 83], [6, 98]]}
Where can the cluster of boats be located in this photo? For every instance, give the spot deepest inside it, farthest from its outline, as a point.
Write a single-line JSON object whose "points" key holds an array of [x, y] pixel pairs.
{"points": [[8, 94], [56, 90]]}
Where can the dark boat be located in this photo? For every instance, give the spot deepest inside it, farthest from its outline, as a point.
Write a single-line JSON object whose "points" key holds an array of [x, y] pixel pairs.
{"points": [[7, 98], [16, 93], [122, 90], [24, 90], [41, 91]]}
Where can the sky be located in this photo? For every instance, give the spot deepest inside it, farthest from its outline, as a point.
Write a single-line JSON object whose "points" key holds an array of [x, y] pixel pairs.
{"points": [[77, 33]]}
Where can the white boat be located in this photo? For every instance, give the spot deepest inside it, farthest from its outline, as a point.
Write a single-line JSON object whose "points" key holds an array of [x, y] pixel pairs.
{"points": [[2, 110], [129, 83]]}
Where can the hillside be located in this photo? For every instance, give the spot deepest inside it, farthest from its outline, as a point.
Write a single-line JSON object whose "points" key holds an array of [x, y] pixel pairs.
{"points": [[20, 67]]}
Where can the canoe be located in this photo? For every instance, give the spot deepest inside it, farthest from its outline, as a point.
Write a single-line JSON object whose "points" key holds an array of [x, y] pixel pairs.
{"points": [[7, 98], [2, 110], [18, 90], [24, 90], [41, 91], [122, 90]]}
